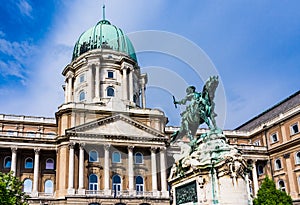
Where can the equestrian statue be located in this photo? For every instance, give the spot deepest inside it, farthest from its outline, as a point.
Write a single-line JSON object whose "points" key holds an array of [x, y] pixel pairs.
{"points": [[199, 110]]}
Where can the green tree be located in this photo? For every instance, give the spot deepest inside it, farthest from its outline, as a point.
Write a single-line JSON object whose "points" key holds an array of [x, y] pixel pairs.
{"points": [[269, 195], [11, 190]]}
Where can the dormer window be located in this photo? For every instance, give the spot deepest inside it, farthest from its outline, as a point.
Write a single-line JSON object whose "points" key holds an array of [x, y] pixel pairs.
{"points": [[110, 74]]}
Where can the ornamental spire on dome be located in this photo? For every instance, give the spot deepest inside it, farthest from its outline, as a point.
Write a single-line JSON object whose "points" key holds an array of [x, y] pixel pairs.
{"points": [[103, 12]]}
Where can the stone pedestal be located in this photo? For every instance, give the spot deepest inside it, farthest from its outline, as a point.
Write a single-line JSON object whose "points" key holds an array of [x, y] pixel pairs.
{"points": [[213, 173]]}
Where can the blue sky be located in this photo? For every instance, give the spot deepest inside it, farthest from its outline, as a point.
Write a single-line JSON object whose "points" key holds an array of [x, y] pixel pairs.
{"points": [[254, 45]]}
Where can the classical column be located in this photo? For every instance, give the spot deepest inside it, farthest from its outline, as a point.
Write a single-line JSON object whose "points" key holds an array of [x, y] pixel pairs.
{"points": [[91, 82], [254, 178], [106, 169], [143, 96], [36, 172], [130, 169], [154, 170], [97, 83], [124, 84], [67, 92], [71, 169], [130, 97], [143, 81], [70, 82], [163, 169], [13, 167], [81, 169]]}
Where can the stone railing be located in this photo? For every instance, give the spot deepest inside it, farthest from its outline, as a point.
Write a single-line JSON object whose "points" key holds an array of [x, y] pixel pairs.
{"points": [[46, 195], [120, 194], [27, 118], [34, 135]]}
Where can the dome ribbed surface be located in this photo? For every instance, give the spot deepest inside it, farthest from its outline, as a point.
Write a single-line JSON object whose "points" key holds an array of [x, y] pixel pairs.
{"points": [[104, 36]]}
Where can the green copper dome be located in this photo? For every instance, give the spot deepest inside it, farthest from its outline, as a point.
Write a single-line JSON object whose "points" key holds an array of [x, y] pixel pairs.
{"points": [[106, 36]]}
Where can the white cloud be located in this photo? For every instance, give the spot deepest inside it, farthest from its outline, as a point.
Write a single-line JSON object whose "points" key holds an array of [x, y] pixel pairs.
{"points": [[18, 50], [12, 68], [25, 8], [18, 53]]}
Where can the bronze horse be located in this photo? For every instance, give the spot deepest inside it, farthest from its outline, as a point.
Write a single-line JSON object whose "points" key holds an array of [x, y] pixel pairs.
{"points": [[200, 110]]}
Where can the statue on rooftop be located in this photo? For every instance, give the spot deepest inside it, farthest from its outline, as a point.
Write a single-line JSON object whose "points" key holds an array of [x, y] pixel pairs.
{"points": [[200, 109]]}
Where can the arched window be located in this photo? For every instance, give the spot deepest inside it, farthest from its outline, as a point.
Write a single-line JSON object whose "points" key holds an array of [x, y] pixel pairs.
{"points": [[116, 157], [27, 186], [93, 156], [278, 164], [7, 162], [110, 92], [281, 185], [49, 163], [260, 169], [138, 158], [139, 185], [93, 182], [48, 187], [297, 158], [28, 163], [116, 184], [81, 95], [134, 99]]}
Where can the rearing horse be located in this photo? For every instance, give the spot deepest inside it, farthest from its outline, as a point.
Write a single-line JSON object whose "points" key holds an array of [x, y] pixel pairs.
{"points": [[200, 110]]}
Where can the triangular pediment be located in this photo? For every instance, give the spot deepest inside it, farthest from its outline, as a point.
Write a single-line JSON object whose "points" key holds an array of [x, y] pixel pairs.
{"points": [[117, 125]]}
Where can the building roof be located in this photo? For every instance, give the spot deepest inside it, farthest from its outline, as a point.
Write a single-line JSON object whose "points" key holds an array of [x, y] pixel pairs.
{"points": [[104, 35], [281, 107]]}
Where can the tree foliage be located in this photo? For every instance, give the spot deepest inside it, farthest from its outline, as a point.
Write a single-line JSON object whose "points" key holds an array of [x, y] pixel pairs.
{"points": [[269, 195], [11, 190]]}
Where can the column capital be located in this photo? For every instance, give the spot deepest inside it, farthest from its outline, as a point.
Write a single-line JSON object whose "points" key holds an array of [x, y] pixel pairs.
{"points": [[71, 145], [37, 150], [70, 74], [81, 145], [14, 149], [130, 148], [162, 149], [153, 149], [106, 147]]}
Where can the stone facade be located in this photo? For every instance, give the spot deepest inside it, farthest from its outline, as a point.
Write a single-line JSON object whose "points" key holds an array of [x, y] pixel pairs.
{"points": [[105, 147]]}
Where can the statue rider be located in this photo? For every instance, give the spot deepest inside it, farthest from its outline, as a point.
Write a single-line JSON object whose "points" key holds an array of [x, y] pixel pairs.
{"points": [[192, 108]]}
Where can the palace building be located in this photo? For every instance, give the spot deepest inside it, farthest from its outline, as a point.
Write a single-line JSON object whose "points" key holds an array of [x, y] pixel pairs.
{"points": [[105, 147]]}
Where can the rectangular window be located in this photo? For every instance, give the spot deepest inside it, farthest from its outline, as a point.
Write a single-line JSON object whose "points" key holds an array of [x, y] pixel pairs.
{"points": [[256, 143], [110, 74], [274, 137], [294, 129], [81, 78]]}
